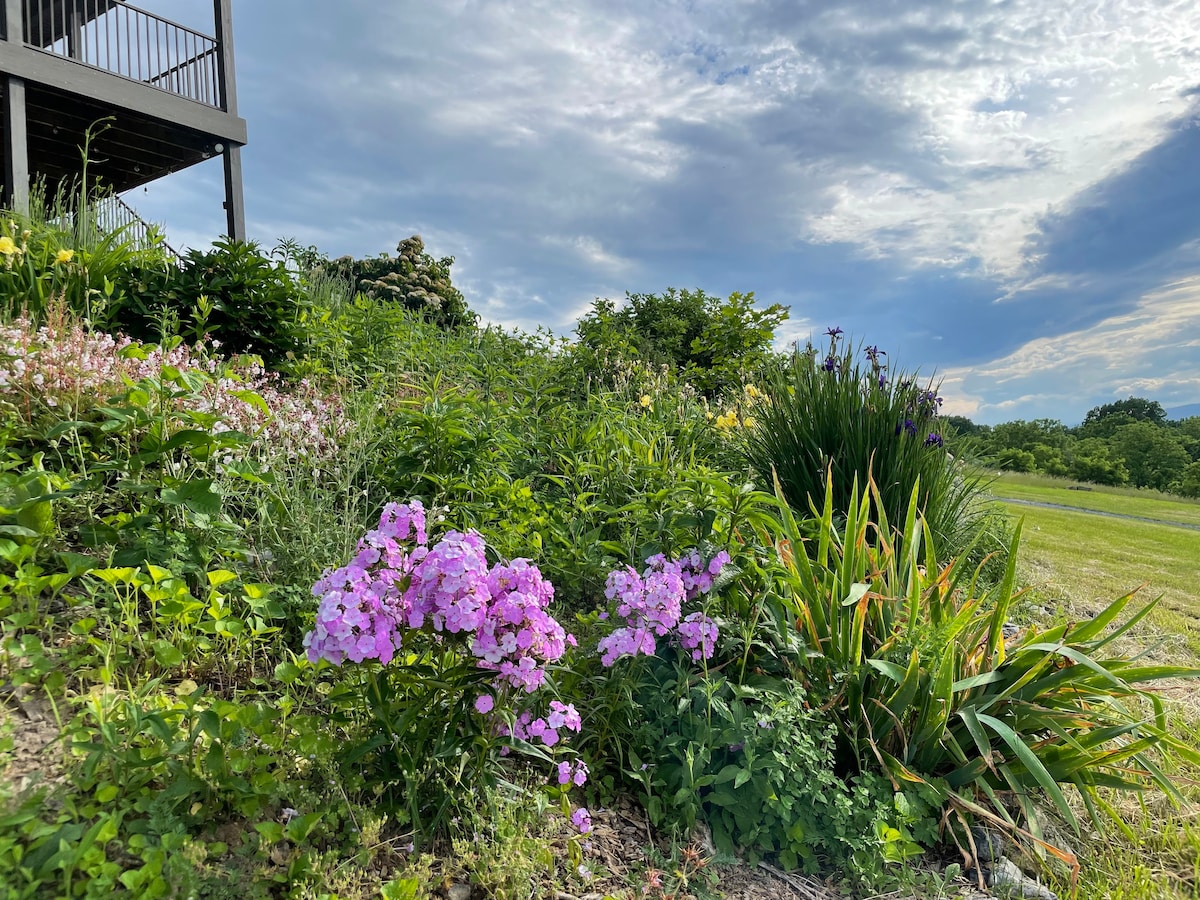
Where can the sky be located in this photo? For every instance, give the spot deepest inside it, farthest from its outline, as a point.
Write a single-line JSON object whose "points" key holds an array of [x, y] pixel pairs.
{"points": [[1001, 193]]}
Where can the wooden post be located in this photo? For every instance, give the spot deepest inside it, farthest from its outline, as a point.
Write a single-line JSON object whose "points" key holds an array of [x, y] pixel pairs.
{"points": [[223, 19], [235, 206], [16, 134], [14, 21]]}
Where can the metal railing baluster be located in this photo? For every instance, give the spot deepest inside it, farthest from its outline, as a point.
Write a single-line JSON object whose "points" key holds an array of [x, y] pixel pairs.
{"points": [[130, 42]]}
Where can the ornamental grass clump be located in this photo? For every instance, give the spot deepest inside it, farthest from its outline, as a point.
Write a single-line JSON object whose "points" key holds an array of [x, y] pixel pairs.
{"points": [[909, 655], [450, 650], [835, 411]]}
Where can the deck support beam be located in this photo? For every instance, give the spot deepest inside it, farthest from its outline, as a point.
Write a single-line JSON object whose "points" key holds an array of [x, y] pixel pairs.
{"points": [[235, 206], [16, 124]]}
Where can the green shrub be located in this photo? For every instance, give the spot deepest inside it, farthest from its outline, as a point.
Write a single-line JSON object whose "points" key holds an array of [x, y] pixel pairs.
{"points": [[232, 294], [1189, 482], [758, 766], [412, 280], [1013, 460], [911, 658], [713, 342], [827, 415]]}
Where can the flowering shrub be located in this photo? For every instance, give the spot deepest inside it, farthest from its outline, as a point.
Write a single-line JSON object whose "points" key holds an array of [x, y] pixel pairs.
{"points": [[397, 584], [652, 606], [61, 370], [426, 607]]}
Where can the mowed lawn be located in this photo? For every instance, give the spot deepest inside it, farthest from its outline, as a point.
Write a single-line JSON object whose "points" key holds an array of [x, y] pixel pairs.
{"points": [[1125, 501], [1080, 560], [1074, 563]]}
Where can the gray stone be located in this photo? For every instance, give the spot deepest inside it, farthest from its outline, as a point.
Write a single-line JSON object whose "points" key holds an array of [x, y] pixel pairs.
{"points": [[1006, 880], [989, 844]]}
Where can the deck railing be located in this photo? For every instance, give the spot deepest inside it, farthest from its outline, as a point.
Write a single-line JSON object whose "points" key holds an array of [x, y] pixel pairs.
{"points": [[111, 214], [129, 42]]}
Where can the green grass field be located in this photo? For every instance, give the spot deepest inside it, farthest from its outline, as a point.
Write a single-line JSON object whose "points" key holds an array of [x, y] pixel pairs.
{"points": [[1079, 562], [1125, 501], [1074, 563]]}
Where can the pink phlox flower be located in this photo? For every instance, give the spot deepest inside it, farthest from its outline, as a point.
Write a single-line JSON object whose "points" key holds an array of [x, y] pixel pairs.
{"points": [[582, 820], [573, 773], [698, 634], [564, 715]]}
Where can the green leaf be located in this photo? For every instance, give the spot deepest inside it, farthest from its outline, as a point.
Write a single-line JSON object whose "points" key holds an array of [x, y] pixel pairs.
{"points": [[218, 577], [166, 653], [1032, 765], [197, 496], [299, 827]]}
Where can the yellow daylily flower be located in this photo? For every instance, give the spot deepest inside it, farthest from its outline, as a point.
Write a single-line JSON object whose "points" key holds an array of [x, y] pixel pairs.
{"points": [[748, 422], [645, 401], [7, 247], [64, 256]]}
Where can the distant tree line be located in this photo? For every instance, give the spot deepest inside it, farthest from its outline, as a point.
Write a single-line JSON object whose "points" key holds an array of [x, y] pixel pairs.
{"points": [[1128, 442]]}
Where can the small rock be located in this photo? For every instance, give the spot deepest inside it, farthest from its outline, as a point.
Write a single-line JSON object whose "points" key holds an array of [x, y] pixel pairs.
{"points": [[989, 845], [1006, 880], [458, 891]]}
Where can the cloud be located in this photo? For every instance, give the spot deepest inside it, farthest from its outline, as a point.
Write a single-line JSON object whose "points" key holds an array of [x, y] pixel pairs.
{"points": [[1149, 351], [953, 179]]}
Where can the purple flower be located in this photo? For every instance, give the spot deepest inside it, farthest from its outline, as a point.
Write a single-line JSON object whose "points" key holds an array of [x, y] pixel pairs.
{"points": [[933, 439], [582, 820], [652, 606], [830, 364], [398, 583], [907, 425], [573, 773], [833, 332]]}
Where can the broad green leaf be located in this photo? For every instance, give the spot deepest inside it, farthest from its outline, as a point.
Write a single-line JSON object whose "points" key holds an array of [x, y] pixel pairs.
{"points": [[1032, 765]]}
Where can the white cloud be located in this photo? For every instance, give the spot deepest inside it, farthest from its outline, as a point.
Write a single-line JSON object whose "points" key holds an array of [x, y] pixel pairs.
{"points": [[1107, 361]]}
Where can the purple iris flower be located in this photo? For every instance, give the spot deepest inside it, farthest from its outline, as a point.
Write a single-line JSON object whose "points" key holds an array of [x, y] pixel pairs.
{"points": [[933, 439], [833, 332], [830, 364]]}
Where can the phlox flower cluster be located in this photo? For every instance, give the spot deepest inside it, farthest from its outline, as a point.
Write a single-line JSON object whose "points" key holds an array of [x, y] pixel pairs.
{"points": [[652, 605], [582, 820], [548, 728], [573, 772], [399, 582], [62, 369]]}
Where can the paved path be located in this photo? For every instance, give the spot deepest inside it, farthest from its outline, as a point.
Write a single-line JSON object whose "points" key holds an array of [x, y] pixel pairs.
{"points": [[1098, 512]]}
